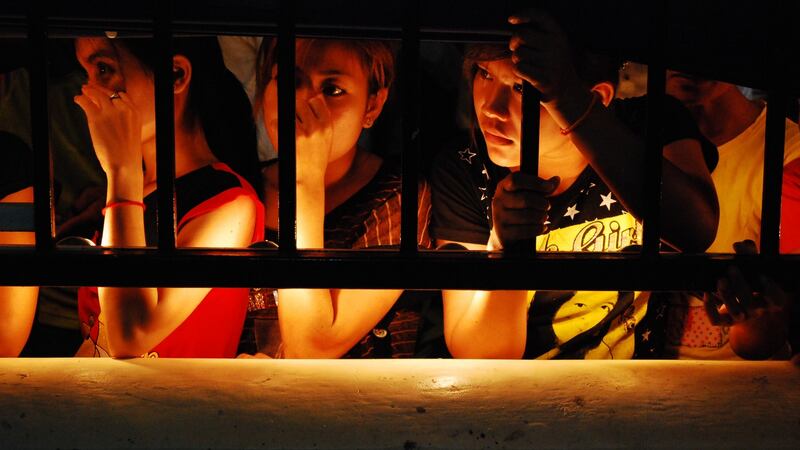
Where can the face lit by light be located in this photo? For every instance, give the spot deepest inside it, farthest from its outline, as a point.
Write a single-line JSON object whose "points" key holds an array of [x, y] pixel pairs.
{"points": [[335, 71], [113, 67], [497, 98]]}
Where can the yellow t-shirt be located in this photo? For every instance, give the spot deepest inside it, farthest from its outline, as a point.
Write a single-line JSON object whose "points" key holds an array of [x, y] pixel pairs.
{"points": [[571, 313], [739, 178]]}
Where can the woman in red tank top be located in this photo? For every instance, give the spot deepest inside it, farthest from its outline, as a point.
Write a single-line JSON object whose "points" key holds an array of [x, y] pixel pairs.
{"points": [[216, 207]]}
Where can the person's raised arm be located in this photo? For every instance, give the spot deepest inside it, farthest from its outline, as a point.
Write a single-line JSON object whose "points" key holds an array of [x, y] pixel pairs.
{"points": [[689, 207], [137, 319], [322, 323]]}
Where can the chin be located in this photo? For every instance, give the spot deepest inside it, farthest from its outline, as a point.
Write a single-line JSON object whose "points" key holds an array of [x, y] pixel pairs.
{"points": [[507, 157]]}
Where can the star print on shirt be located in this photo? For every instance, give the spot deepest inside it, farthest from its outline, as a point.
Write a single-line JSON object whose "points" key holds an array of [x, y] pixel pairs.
{"points": [[572, 211], [483, 193], [607, 201], [467, 155], [485, 173]]}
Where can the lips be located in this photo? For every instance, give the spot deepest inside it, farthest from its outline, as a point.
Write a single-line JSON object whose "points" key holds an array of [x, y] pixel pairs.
{"points": [[496, 138]]}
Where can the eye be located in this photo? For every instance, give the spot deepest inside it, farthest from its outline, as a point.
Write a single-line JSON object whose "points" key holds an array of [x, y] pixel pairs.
{"points": [[518, 87], [331, 90], [103, 68], [483, 73], [580, 305]]}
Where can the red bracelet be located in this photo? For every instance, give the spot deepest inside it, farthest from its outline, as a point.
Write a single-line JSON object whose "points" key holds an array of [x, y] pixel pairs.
{"points": [[571, 128], [123, 203]]}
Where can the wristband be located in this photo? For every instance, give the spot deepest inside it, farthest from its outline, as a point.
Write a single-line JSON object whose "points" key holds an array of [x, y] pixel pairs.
{"points": [[123, 203]]}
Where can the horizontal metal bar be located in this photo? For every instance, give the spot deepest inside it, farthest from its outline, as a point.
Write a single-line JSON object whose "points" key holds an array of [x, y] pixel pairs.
{"points": [[17, 217], [380, 269], [706, 39]]}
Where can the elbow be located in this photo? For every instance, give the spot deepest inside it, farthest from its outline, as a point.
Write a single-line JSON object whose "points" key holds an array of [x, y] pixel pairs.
{"points": [[307, 347], [474, 350], [694, 233], [701, 237], [11, 348], [125, 346], [708, 225], [13, 339], [309, 352]]}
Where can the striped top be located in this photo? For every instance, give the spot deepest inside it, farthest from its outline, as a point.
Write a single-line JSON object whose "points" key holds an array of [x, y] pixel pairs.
{"points": [[368, 219], [371, 218]]}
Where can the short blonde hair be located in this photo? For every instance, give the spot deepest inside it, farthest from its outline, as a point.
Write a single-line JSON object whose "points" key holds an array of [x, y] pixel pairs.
{"points": [[377, 58]]}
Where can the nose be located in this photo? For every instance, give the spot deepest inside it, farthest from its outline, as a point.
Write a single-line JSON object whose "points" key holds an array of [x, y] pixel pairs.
{"points": [[495, 105]]}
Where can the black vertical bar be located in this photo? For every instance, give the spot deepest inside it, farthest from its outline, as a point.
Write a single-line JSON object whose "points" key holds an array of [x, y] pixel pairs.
{"points": [[777, 106], [409, 93], [287, 163], [528, 151], [656, 85], [165, 125], [529, 145], [40, 141]]}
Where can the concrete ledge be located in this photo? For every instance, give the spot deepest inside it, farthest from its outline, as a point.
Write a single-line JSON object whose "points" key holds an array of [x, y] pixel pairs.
{"points": [[101, 403]]}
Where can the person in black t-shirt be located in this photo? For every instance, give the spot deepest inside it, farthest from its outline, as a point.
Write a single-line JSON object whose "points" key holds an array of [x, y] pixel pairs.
{"points": [[17, 303], [586, 198]]}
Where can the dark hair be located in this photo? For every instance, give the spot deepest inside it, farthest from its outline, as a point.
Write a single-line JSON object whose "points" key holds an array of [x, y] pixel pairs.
{"points": [[376, 57], [217, 102], [592, 68]]}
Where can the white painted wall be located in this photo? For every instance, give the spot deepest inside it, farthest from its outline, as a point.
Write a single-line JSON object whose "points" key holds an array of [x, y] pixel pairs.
{"points": [[101, 403]]}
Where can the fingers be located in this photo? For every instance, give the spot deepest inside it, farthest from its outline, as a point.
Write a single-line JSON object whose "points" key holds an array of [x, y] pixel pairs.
{"points": [[519, 181], [523, 201], [741, 290], [312, 114], [527, 39], [746, 247], [99, 96], [515, 233], [87, 105], [535, 18], [732, 305], [523, 217], [712, 303], [519, 207], [319, 109], [95, 99]]}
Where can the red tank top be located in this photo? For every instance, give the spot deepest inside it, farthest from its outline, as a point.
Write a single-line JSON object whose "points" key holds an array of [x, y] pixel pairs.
{"points": [[213, 329]]}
